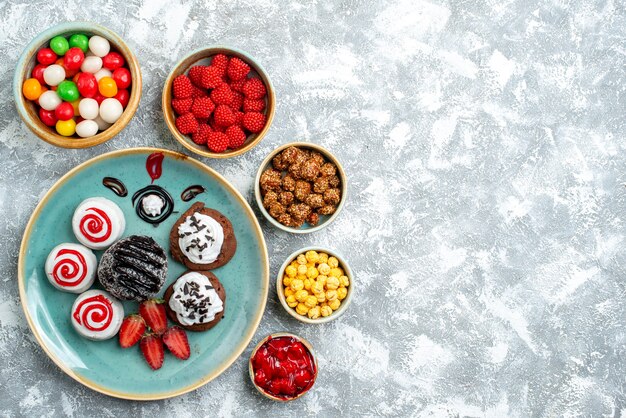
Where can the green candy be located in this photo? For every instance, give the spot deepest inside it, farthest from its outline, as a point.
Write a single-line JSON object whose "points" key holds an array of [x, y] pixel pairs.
{"points": [[79, 40], [68, 91], [59, 45]]}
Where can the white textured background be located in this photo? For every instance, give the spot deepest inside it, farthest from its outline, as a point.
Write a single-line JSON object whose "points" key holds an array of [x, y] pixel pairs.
{"points": [[484, 143]]}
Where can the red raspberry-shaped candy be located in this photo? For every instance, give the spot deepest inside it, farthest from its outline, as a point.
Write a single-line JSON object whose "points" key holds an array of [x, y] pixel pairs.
{"points": [[238, 119], [202, 134], [217, 141], [237, 102], [238, 85], [182, 106], [237, 69], [222, 95], [186, 124], [195, 74], [211, 77], [254, 88], [254, 121], [202, 107], [220, 61], [253, 105], [223, 116], [198, 92], [236, 137], [182, 87]]}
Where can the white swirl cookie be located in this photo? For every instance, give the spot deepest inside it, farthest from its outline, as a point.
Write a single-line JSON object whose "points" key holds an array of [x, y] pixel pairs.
{"points": [[98, 223], [97, 315], [71, 267]]}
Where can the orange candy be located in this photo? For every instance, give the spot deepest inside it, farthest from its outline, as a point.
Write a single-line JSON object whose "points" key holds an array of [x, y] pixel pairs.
{"points": [[107, 87], [31, 89]]}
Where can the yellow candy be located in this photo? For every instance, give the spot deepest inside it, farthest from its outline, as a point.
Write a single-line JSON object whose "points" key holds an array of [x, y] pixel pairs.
{"points": [[286, 280], [323, 258], [317, 287], [334, 304], [312, 256], [302, 269], [291, 301], [294, 263], [301, 259], [312, 273], [332, 283], [309, 265], [342, 292], [322, 279], [344, 281], [336, 272], [289, 291], [321, 297], [302, 309], [291, 271], [301, 295], [310, 301], [66, 127], [31, 89], [75, 106], [333, 262], [326, 310], [107, 87], [296, 284], [307, 284], [324, 269], [331, 295], [314, 312]]}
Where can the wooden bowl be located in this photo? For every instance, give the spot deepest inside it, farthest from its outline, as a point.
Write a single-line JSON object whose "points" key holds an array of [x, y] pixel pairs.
{"points": [[201, 57], [280, 288], [260, 344], [28, 109], [325, 220]]}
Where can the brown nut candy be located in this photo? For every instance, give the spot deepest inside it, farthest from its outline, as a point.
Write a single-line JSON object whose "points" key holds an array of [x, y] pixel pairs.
{"points": [[302, 190], [333, 181], [289, 155], [313, 219], [315, 200], [270, 180], [320, 185], [285, 219], [286, 198], [294, 170], [327, 210], [317, 157], [299, 211], [270, 197], [289, 183], [276, 209], [278, 163], [332, 196], [328, 170], [309, 170], [302, 156]]}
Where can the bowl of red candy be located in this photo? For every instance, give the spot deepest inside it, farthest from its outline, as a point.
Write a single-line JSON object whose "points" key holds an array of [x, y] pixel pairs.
{"points": [[283, 367], [77, 85], [218, 102]]}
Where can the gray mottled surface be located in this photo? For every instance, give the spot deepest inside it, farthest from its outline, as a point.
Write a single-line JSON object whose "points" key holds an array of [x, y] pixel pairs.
{"points": [[484, 142]]}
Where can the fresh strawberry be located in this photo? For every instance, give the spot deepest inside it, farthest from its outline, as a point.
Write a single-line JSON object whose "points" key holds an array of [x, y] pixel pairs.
{"points": [[153, 312], [195, 74], [182, 87], [217, 142], [198, 92], [236, 137], [223, 116], [186, 124], [202, 107], [254, 121], [131, 330], [220, 61], [237, 69], [211, 78], [202, 134], [253, 105], [238, 85], [222, 95], [237, 102], [152, 348], [175, 339], [182, 106], [254, 88]]}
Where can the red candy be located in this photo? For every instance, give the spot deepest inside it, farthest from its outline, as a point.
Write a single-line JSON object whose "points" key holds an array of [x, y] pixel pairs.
{"points": [[64, 111], [123, 96], [46, 56], [122, 78], [99, 98], [112, 61], [37, 73], [47, 117], [73, 58], [87, 85]]}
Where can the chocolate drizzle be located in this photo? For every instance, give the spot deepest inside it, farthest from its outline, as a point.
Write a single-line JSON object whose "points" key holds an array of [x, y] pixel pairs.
{"points": [[115, 185], [166, 211], [191, 192]]}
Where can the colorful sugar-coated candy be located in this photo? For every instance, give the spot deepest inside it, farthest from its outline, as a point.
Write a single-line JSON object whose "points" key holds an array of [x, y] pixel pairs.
{"points": [[78, 40], [75, 104], [88, 108], [64, 111], [107, 87], [99, 46], [31, 89], [59, 45], [73, 58], [86, 128], [122, 78], [112, 61], [123, 96], [38, 73], [102, 73], [99, 98], [68, 91], [54, 74], [91, 64], [87, 84], [68, 73], [47, 117], [111, 110], [49, 100], [66, 127], [102, 125], [46, 56]]}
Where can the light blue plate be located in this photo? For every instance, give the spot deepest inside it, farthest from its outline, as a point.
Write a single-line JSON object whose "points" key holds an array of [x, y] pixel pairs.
{"points": [[104, 366]]}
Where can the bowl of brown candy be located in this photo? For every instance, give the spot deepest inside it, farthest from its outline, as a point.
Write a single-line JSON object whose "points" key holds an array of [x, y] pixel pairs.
{"points": [[300, 187]]}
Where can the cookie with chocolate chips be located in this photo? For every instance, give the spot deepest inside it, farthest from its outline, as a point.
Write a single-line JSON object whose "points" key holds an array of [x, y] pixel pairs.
{"points": [[202, 238]]}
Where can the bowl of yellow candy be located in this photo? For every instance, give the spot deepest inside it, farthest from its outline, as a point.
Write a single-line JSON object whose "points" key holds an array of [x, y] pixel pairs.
{"points": [[315, 285]]}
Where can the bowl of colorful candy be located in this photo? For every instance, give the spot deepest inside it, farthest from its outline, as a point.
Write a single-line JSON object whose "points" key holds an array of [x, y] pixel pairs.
{"points": [[77, 85], [315, 285], [218, 102], [283, 367]]}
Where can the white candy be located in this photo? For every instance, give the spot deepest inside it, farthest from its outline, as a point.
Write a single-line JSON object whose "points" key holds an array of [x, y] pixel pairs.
{"points": [[91, 64], [103, 73], [88, 108], [99, 46], [49, 100], [111, 110], [102, 125], [86, 128], [53, 74]]}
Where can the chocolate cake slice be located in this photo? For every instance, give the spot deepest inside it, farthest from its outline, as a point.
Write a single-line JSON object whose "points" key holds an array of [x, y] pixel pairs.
{"points": [[134, 268]]}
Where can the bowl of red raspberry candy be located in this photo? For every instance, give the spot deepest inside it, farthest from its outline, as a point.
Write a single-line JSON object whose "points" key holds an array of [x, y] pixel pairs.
{"points": [[218, 102]]}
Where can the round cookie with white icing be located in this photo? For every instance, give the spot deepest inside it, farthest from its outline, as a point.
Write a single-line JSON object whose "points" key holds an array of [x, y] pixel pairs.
{"points": [[97, 315], [71, 267], [202, 238], [196, 301], [98, 223]]}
